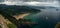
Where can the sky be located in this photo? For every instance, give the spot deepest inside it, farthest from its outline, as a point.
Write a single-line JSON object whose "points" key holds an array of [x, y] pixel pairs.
{"points": [[31, 2]]}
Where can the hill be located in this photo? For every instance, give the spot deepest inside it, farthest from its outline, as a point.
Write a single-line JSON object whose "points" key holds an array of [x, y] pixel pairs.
{"points": [[15, 10]]}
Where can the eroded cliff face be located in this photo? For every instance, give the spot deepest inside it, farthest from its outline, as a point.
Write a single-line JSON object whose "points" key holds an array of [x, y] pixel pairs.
{"points": [[3, 22]]}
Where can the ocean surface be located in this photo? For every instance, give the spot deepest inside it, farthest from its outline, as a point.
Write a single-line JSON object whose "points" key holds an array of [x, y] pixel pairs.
{"points": [[47, 18]]}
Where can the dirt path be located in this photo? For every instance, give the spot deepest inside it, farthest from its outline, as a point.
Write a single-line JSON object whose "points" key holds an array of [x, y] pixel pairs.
{"points": [[3, 22]]}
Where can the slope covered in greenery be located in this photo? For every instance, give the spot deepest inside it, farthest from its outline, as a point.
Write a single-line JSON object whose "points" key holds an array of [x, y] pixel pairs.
{"points": [[15, 10], [7, 11]]}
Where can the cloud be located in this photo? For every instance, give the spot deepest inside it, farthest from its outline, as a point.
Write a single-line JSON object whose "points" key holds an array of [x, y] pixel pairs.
{"points": [[55, 3], [11, 2], [1, 0], [32, 2]]}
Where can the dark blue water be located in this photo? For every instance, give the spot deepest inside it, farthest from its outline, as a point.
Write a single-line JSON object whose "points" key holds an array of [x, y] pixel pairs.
{"points": [[47, 18]]}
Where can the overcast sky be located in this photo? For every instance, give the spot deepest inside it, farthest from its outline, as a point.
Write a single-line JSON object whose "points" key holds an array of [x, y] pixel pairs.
{"points": [[31, 2]]}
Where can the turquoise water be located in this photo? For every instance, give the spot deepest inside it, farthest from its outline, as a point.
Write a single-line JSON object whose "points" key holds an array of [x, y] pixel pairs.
{"points": [[47, 18]]}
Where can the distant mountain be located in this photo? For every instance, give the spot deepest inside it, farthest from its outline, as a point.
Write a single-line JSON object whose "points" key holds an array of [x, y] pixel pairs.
{"points": [[14, 9], [43, 7]]}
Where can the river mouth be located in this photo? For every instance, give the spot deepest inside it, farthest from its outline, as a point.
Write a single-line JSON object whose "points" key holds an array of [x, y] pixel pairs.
{"points": [[47, 18]]}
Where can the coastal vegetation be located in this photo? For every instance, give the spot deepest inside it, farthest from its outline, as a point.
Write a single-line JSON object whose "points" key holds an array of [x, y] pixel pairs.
{"points": [[8, 11]]}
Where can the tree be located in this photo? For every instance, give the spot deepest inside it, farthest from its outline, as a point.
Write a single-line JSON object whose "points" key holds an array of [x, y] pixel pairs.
{"points": [[6, 12]]}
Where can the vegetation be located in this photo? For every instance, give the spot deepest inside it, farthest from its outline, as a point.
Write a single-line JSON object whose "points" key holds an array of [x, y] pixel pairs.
{"points": [[15, 10], [11, 26], [7, 11], [0, 25], [57, 25]]}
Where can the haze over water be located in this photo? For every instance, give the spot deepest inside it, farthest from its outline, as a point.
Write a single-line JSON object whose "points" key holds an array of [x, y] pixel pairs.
{"points": [[47, 18]]}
